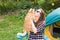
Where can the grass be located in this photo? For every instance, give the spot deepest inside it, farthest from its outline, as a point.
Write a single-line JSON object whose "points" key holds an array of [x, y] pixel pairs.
{"points": [[10, 26]]}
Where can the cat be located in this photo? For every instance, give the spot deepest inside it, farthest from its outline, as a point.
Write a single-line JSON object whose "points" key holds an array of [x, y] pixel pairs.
{"points": [[28, 22]]}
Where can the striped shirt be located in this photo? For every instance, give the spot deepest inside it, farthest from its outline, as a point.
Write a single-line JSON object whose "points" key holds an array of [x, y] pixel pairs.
{"points": [[40, 33]]}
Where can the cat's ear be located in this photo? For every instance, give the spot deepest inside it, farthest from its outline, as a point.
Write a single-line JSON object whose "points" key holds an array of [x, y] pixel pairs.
{"points": [[31, 10]]}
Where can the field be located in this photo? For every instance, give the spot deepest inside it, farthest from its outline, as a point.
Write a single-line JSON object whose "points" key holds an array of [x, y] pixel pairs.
{"points": [[10, 26]]}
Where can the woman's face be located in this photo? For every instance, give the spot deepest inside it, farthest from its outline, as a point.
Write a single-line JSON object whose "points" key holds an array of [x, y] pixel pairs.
{"points": [[37, 15]]}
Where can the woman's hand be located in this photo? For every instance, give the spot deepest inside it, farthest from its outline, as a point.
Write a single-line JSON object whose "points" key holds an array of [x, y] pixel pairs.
{"points": [[34, 29]]}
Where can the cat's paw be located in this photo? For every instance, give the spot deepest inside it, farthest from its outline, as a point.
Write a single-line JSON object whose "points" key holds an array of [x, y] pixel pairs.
{"points": [[35, 30]]}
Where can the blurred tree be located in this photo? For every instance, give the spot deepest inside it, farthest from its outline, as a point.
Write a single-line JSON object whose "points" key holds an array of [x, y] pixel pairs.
{"points": [[11, 5]]}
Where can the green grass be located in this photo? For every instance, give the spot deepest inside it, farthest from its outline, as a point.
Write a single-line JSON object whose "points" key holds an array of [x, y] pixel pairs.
{"points": [[10, 26]]}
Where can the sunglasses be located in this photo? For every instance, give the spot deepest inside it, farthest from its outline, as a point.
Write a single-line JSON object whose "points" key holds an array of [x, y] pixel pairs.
{"points": [[38, 11]]}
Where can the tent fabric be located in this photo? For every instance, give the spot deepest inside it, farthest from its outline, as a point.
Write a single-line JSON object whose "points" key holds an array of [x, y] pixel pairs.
{"points": [[53, 17]]}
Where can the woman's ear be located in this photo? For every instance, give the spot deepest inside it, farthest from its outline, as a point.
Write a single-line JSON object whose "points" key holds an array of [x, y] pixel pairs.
{"points": [[41, 10]]}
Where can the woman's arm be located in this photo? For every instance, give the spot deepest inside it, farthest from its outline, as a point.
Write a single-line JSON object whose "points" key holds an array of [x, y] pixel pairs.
{"points": [[34, 29]]}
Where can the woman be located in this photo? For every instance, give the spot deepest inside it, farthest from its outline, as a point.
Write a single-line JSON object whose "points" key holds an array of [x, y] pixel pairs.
{"points": [[34, 24], [39, 24]]}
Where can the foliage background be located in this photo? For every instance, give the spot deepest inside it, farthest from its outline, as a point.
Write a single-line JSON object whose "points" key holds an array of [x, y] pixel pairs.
{"points": [[12, 13]]}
